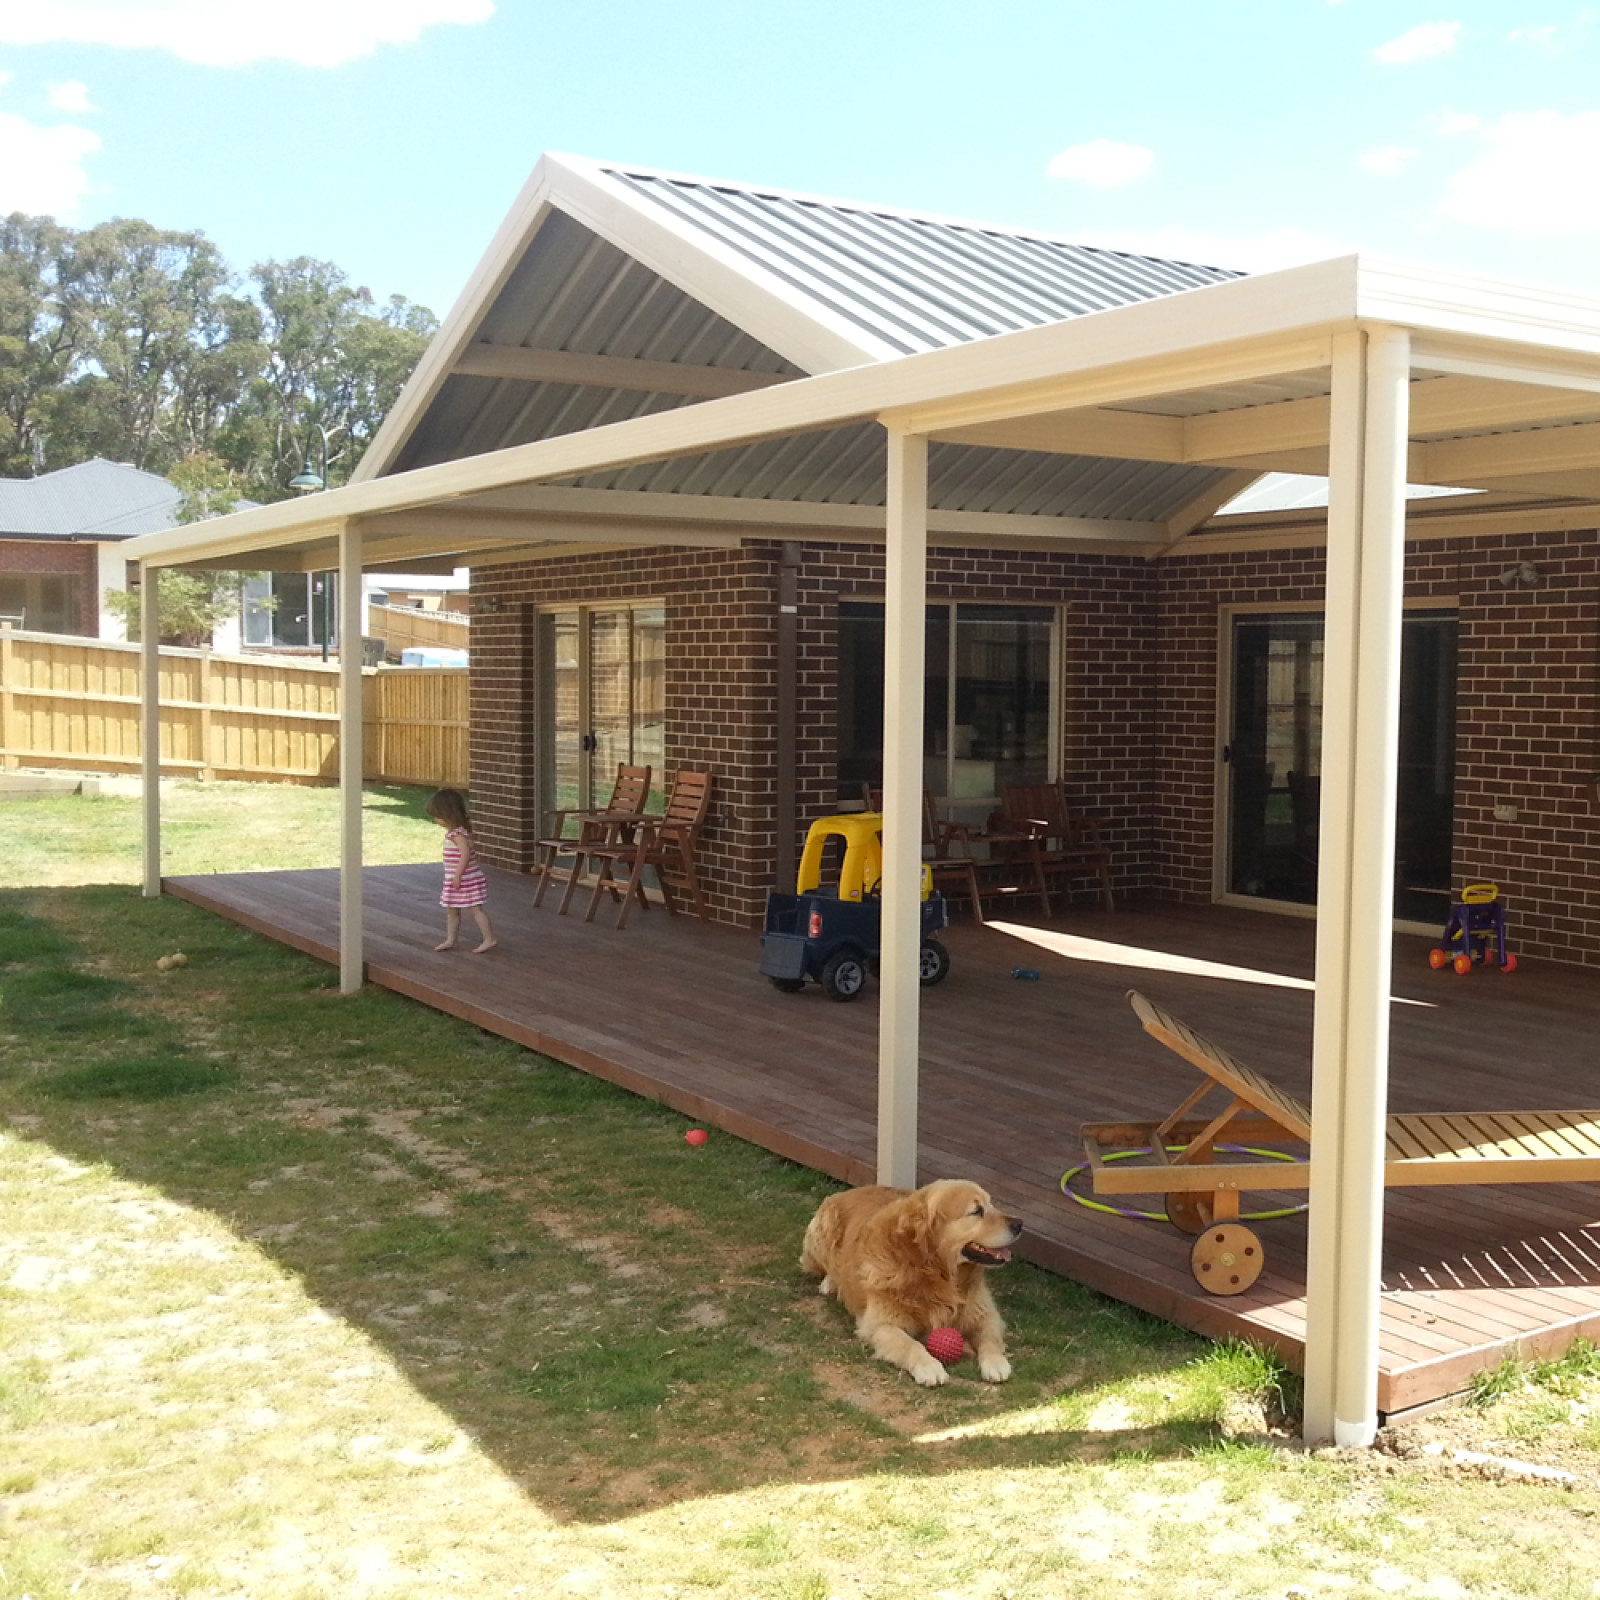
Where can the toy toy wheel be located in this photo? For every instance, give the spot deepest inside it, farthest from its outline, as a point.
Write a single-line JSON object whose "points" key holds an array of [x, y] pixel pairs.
{"points": [[844, 975], [1188, 1210], [1438, 959], [933, 964], [1226, 1258], [1463, 965], [787, 985], [1509, 964]]}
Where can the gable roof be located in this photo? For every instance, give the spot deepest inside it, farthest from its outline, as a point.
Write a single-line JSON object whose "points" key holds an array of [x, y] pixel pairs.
{"points": [[96, 499], [618, 292]]}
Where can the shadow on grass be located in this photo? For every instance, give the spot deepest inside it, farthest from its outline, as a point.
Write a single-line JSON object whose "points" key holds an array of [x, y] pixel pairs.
{"points": [[617, 1320]]}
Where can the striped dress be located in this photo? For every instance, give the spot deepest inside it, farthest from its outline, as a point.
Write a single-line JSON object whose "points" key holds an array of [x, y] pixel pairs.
{"points": [[473, 888]]}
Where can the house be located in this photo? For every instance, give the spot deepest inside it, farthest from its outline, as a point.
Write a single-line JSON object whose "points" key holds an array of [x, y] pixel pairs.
{"points": [[60, 542], [705, 446]]}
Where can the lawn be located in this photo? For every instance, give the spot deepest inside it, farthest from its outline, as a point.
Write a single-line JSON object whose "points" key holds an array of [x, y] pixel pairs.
{"points": [[307, 1296]]}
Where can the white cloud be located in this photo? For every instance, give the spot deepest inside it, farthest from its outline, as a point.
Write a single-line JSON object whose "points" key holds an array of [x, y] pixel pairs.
{"points": [[1387, 159], [1448, 124], [42, 169], [1259, 252], [71, 97], [1102, 163], [1421, 43], [233, 33], [1533, 176]]}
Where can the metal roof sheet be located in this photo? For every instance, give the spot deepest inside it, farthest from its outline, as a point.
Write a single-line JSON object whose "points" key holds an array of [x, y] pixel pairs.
{"points": [[915, 283], [103, 499]]}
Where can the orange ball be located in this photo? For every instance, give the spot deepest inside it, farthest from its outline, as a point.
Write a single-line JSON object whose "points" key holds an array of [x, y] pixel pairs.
{"points": [[696, 1136]]}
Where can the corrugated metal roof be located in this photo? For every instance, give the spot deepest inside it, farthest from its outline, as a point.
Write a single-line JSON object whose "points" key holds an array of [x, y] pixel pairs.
{"points": [[915, 283], [907, 283], [95, 499]]}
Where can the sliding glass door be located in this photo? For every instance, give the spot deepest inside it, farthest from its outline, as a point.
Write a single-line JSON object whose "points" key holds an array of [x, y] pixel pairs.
{"points": [[602, 701], [1273, 757]]}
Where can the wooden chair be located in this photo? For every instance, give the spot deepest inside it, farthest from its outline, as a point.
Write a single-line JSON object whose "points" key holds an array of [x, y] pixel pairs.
{"points": [[1203, 1179], [946, 851], [668, 843], [1068, 845], [602, 826]]}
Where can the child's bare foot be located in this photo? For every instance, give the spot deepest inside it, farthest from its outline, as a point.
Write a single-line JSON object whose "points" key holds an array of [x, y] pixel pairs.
{"points": [[449, 944], [488, 944]]}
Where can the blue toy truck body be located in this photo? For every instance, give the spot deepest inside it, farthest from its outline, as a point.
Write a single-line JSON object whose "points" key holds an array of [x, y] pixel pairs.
{"points": [[817, 937]]}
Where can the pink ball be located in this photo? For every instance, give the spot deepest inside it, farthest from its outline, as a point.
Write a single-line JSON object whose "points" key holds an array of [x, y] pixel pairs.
{"points": [[947, 1345], [697, 1136]]}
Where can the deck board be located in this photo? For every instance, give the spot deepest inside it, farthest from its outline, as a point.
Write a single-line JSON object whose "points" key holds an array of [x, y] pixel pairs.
{"points": [[675, 1009]]}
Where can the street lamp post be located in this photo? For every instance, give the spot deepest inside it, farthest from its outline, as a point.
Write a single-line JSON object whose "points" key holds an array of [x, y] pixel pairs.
{"points": [[306, 480]]}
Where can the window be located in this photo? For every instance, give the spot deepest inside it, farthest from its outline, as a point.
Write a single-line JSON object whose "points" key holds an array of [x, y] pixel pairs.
{"points": [[45, 602], [990, 709]]}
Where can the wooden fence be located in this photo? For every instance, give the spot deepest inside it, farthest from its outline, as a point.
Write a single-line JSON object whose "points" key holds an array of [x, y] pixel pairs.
{"points": [[71, 702], [403, 626]]}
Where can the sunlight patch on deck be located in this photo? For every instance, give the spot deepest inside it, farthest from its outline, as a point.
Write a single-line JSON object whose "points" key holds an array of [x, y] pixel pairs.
{"points": [[1074, 947]]}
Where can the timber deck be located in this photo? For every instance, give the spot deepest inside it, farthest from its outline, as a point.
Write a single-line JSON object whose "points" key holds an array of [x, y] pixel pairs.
{"points": [[674, 1009]]}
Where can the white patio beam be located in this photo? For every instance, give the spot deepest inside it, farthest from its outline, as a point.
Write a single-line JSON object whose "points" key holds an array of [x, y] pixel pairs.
{"points": [[351, 951], [150, 724], [519, 363], [904, 648], [1355, 882]]}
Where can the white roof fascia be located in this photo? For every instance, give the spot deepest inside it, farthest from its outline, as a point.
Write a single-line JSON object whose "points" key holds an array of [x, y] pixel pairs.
{"points": [[1247, 328], [499, 261], [757, 302]]}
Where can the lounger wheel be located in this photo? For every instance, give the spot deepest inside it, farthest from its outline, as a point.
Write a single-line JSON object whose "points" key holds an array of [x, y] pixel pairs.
{"points": [[1226, 1258], [1188, 1210]]}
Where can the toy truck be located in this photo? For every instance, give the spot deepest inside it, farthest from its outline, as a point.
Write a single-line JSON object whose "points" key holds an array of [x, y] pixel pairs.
{"points": [[831, 936]]}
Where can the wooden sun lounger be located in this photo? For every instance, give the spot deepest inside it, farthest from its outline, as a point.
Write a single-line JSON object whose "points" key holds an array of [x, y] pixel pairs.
{"points": [[1202, 1184]]}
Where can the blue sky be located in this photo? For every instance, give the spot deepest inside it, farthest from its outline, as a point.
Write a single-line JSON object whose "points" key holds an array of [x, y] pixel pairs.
{"points": [[390, 136]]}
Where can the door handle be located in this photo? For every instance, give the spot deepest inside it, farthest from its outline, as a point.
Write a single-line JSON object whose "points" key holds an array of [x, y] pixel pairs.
{"points": [[589, 743], [1227, 753]]}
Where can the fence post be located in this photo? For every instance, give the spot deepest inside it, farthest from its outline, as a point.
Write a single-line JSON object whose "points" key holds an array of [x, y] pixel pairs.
{"points": [[8, 720]]}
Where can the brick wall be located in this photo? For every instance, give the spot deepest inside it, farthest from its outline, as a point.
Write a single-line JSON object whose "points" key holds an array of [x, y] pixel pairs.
{"points": [[1527, 718], [1139, 735], [54, 556]]}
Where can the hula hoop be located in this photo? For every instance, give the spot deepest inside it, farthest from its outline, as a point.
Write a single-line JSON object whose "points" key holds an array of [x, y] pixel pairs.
{"points": [[1161, 1216]]}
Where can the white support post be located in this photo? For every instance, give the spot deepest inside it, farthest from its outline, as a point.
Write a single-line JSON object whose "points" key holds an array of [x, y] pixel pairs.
{"points": [[904, 648], [1355, 881], [351, 953], [150, 723]]}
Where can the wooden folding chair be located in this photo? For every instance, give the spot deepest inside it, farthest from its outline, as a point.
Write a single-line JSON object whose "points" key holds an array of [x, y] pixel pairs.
{"points": [[1069, 845], [602, 826], [667, 843]]}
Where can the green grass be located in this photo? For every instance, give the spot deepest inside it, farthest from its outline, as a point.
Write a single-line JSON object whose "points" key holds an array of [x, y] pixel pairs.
{"points": [[307, 1295]]}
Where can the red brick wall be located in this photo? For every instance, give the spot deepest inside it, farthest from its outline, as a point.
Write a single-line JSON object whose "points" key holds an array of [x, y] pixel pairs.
{"points": [[1527, 729], [1140, 740], [79, 561], [721, 692]]}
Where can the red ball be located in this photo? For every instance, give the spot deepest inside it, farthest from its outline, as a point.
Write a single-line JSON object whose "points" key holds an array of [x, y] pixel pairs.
{"points": [[697, 1136], [947, 1345]]}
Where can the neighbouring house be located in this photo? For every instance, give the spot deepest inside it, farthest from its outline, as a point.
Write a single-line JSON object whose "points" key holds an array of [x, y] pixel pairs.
{"points": [[60, 542]]}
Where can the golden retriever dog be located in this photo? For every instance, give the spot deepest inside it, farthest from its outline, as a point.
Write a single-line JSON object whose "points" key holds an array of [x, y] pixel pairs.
{"points": [[905, 1261]]}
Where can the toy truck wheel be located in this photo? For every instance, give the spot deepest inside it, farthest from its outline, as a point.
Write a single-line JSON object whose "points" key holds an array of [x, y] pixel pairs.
{"points": [[933, 965], [1438, 959], [1509, 964], [1463, 965], [844, 975], [787, 985]]}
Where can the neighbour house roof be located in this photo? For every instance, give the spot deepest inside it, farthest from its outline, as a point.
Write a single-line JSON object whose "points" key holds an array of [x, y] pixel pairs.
{"points": [[96, 500], [645, 359]]}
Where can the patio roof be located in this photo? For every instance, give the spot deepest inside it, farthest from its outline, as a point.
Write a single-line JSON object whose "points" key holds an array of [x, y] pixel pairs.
{"points": [[1186, 397]]}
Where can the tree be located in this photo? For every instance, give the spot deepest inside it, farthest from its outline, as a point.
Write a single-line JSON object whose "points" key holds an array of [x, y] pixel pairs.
{"points": [[189, 605], [37, 347]]}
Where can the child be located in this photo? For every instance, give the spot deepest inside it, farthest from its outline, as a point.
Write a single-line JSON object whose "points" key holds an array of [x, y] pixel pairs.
{"points": [[464, 882]]}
